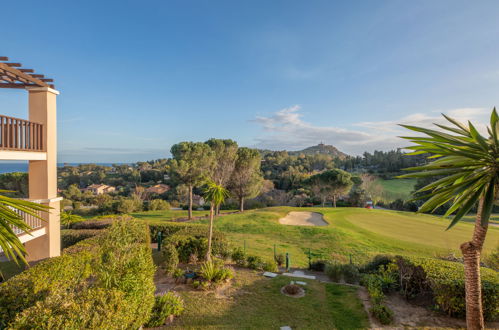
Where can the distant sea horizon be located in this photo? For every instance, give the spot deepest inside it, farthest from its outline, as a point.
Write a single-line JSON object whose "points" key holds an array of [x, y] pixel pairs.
{"points": [[9, 167]]}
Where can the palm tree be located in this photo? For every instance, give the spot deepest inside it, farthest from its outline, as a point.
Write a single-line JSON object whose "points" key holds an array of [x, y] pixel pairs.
{"points": [[10, 217], [216, 195], [468, 166]]}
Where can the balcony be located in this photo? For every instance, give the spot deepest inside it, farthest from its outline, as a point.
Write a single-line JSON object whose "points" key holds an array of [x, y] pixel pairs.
{"points": [[21, 139]]}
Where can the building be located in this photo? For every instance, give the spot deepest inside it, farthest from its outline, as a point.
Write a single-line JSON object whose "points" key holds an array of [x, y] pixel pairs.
{"points": [[34, 140], [158, 189], [99, 189]]}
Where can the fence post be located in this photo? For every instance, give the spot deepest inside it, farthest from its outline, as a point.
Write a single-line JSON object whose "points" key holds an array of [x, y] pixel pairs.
{"points": [[160, 238], [244, 249], [287, 262], [275, 255], [309, 260]]}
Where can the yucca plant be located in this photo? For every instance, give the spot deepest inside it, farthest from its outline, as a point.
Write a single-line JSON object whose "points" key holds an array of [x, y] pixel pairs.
{"points": [[467, 166], [9, 218], [216, 195]]}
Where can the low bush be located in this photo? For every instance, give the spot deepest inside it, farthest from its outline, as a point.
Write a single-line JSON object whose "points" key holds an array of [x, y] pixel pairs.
{"points": [[215, 272], [443, 283], [350, 273], [72, 236], [97, 223], [280, 259], [170, 258], [379, 310], [318, 265], [270, 266], [254, 262], [165, 306], [334, 270], [104, 282], [382, 313], [178, 274], [238, 257], [373, 265], [158, 205]]}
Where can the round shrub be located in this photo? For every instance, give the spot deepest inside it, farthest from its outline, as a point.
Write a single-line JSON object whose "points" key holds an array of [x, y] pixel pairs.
{"points": [[255, 262], [270, 266], [165, 306], [350, 273], [382, 313], [158, 205], [170, 258], [333, 270], [238, 257], [318, 265], [280, 259]]}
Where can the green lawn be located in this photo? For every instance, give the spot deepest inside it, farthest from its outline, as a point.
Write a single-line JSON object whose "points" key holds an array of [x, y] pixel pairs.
{"points": [[352, 231], [159, 216], [397, 188], [256, 302]]}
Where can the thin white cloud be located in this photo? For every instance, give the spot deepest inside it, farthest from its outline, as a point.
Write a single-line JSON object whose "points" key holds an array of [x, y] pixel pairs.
{"points": [[285, 129]]}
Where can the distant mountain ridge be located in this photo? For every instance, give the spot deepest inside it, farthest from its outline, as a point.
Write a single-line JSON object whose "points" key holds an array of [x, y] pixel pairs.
{"points": [[321, 148]]}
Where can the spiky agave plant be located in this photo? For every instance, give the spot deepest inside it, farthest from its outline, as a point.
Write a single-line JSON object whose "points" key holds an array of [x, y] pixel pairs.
{"points": [[467, 166], [10, 217]]}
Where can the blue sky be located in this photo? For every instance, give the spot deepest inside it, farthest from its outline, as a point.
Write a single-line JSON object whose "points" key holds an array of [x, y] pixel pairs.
{"points": [[138, 76]]}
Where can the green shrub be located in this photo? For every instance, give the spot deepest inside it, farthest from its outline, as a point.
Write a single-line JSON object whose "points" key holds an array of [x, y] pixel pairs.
{"points": [[318, 265], [382, 313], [280, 259], [158, 205], [350, 273], [215, 271], [270, 266], [104, 282], [239, 257], [170, 258], [254, 262], [443, 281], [178, 274], [50, 276], [373, 265], [93, 224], [164, 307], [94, 308], [72, 236], [333, 270]]}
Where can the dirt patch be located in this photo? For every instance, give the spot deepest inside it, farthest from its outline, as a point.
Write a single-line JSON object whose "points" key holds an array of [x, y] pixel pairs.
{"points": [[407, 315], [303, 219]]}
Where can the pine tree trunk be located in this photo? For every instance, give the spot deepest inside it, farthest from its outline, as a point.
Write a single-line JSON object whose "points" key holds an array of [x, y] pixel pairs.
{"points": [[217, 210], [241, 204], [190, 203], [210, 233], [471, 254], [323, 201], [334, 200]]}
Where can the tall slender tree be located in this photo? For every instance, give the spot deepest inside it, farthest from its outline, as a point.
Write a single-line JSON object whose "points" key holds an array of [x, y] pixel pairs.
{"points": [[246, 180], [216, 195], [468, 166], [192, 162]]}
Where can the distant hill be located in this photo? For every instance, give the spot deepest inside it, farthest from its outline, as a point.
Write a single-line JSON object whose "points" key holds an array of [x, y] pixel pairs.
{"points": [[321, 148]]}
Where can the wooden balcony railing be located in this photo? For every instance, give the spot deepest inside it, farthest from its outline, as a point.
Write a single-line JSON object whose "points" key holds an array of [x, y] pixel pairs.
{"points": [[20, 135]]}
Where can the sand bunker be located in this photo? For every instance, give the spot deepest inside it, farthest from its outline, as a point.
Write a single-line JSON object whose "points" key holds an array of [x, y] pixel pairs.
{"points": [[303, 219]]}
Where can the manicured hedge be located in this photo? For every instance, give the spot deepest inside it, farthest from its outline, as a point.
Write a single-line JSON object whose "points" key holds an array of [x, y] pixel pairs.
{"points": [[444, 282], [104, 282], [70, 237], [170, 228]]}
